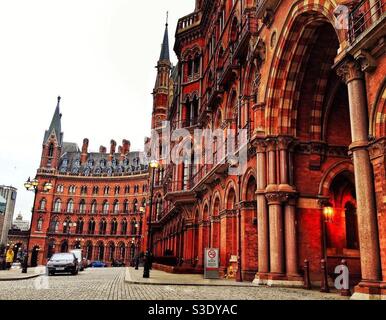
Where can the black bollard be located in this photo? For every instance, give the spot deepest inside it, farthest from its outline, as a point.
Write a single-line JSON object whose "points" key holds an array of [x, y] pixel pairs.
{"points": [[324, 285], [307, 281]]}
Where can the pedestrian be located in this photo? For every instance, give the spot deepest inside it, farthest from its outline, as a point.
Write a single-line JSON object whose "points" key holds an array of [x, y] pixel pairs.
{"points": [[9, 258]]}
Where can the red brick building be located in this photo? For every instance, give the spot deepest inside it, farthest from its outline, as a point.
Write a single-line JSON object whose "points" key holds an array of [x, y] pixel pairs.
{"points": [[95, 202], [306, 80]]}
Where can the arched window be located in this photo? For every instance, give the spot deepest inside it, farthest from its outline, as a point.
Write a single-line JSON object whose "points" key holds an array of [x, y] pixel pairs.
{"points": [[95, 190], [39, 226], [54, 225], [134, 227], [102, 227], [114, 227], [91, 227], [124, 227], [60, 188], [135, 205], [83, 190], [106, 207], [51, 150], [126, 206], [106, 190], [57, 205], [116, 207], [67, 226], [82, 206], [94, 206], [70, 206], [42, 205], [117, 190], [79, 226]]}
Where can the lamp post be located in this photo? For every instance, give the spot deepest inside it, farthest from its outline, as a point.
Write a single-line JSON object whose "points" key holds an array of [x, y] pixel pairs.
{"points": [[328, 214], [68, 226], [154, 164], [33, 186], [142, 211]]}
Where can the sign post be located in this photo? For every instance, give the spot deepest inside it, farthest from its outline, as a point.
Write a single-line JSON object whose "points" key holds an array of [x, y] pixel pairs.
{"points": [[212, 264]]}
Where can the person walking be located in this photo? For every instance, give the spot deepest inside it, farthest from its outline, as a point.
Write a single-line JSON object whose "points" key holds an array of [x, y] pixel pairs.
{"points": [[9, 258]]}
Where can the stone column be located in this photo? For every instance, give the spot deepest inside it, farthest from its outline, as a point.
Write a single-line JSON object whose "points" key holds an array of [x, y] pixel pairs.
{"points": [[276, 233], [291, 237], [262, 212], [351, 72]]}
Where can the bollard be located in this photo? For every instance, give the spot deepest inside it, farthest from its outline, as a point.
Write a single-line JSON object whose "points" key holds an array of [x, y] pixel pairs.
{"points": [[307, 281], [324, 284], [345, 292]]}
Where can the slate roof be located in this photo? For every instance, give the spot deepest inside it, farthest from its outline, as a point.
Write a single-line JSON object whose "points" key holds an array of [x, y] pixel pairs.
{"points": [[99, 164], [55, 126], [165, 55]]}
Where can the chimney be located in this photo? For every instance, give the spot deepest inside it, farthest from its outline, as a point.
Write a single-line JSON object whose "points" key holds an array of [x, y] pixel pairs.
{"points": [[102, 149], [113, 147], [83, 157], [126, 147]]}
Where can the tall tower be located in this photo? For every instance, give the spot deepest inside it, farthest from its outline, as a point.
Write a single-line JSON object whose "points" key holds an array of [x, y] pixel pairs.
{"points": [[162, 84], [53, 141]]}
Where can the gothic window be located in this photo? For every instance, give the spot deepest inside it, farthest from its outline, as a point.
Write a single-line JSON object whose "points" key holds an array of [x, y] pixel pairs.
{"points": [[114, 227], [42, 205], [60, 188], [106, 207], [106, 190], [91, 227], [51, 150], [39, 226], [57, 205], [135, 206], [133, 226], [67, 226], [124, 227], [116, 207], [117, 190], [82, 206], [83, 190], [79, 226], [126, 206], [95, 190], [54, 225], [94, 207], [102, 227], [70, 206]]}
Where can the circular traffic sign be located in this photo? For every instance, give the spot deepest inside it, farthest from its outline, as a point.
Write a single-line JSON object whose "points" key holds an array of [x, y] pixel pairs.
{"points": [[212, 254]]}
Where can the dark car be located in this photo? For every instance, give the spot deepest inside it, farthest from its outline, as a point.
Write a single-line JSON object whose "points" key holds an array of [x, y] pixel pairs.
{"points": [[63, 263], [117, 264], [98, 264]]}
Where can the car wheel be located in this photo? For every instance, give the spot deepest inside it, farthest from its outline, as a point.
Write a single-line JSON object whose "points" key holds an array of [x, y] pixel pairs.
{"points": [[75, 272]]}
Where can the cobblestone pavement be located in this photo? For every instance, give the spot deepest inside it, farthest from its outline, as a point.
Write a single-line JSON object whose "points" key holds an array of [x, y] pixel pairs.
{"points": [[108, 284]]}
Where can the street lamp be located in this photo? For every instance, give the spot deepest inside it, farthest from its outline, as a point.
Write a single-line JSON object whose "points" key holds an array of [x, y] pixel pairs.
{"points": [[328, 215], [33, 186], [154, 165], [142, 212]]}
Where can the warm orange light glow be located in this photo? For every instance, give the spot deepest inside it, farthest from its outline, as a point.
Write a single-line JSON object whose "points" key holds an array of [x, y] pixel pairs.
{"points": [[328, 213]]}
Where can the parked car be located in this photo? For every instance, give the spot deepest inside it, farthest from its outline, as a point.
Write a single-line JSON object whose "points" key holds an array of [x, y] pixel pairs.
{"points": [[98, 264], [81, 260], [117, 264], [63, 263]]}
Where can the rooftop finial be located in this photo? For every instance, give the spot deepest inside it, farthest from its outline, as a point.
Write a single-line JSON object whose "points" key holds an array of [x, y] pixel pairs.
{"points": [[167, 18], [59, 98]]}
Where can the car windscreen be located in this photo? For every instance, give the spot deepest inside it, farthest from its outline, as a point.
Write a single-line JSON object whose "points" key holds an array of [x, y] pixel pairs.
{"points": [[63, 256]]}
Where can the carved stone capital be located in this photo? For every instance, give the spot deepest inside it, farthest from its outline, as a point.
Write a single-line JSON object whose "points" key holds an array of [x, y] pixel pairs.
{"points": [[260, 145], [349, 70], [271, 144], [284, 142], [275, 198]]}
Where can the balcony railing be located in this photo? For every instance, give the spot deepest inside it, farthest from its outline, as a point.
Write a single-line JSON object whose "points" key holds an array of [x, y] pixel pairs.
{"points": [[364, 16], [189, 21]]}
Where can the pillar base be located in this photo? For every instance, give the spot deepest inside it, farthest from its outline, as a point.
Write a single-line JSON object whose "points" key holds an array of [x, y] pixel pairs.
{"points": [[261, 279], [282, 280], [370, 290]]}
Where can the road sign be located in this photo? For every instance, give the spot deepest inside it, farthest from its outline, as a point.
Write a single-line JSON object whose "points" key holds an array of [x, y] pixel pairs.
{"points": [[212, 263]]}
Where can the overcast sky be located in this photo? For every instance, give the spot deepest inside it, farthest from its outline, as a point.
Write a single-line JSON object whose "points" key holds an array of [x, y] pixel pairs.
{"points": [[98, 55]]}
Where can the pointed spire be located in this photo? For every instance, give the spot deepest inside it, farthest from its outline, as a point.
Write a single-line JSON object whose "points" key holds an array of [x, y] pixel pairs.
{"points": [[165, 56], [56, 125]]}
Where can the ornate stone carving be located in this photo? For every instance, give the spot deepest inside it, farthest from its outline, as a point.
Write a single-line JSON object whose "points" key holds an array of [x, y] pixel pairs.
{"points": [[349, 70]]}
